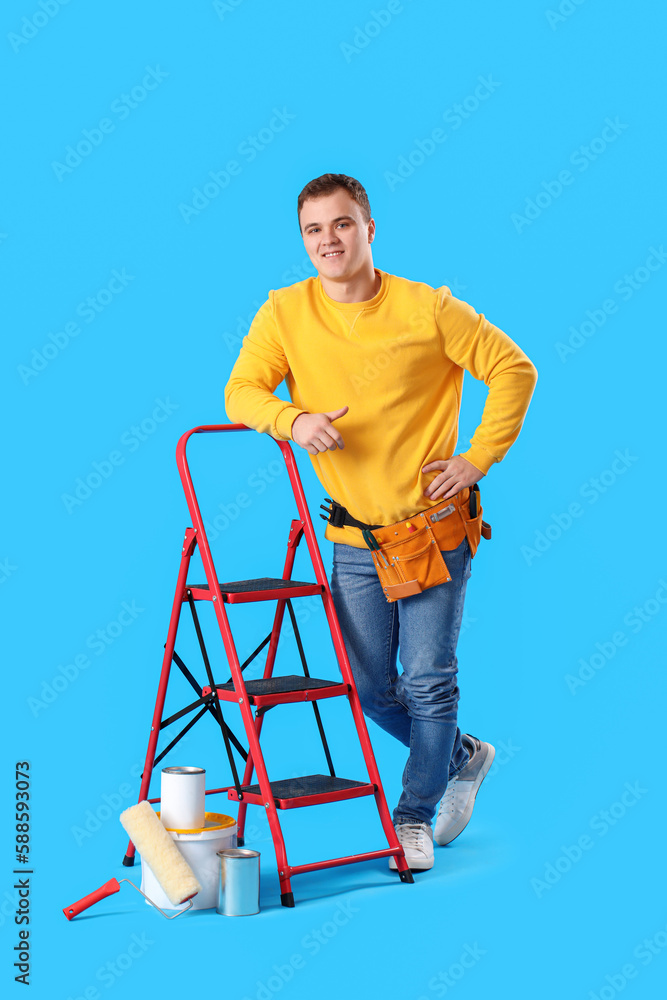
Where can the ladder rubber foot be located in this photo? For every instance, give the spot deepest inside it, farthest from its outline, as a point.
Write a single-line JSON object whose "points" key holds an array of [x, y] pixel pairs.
{"points": [[287, 898], [240, 841], [128, 861], [406, 876]]}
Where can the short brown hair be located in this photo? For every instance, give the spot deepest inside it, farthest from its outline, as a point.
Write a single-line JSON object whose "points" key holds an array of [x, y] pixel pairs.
{"points": [[328, 183]]}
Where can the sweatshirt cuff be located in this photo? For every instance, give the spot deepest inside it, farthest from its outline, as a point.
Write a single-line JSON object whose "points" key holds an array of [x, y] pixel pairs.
{"points": [[480, 458], [285, 419]]}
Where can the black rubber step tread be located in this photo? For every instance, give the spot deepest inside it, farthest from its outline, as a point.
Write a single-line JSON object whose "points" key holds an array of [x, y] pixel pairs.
{"points": [[309, 784], [279, 685], [246, 586]]}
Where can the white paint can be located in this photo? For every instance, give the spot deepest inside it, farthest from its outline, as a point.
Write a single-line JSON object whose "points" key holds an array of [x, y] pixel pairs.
{"points": [[200, 849], [182, 797]]}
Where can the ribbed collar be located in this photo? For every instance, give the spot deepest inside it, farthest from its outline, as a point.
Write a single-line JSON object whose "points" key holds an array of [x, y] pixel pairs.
{"points": [[356, 307]]}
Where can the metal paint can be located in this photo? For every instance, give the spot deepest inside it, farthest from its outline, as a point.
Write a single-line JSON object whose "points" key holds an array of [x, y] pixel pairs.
{"points": [[238, 882], [182, 798]]}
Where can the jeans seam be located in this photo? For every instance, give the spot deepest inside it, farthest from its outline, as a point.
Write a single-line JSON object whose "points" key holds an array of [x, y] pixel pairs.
{"points": [[410, 758]]}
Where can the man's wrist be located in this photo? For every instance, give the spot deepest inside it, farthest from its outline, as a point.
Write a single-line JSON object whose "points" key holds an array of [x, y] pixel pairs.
{"points": [[285, 421], [478, 457]]}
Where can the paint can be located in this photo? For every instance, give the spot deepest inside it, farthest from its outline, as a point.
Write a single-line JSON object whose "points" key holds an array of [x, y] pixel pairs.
{"points": [[200, 849], [238, 882], [182, 798]]}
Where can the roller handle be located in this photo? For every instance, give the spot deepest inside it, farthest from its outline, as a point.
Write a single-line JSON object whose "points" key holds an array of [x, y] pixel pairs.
{"points": [[108, 889]]}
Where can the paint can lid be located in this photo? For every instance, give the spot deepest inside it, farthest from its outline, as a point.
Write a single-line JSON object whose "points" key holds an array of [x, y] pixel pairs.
{"points": [[184, 770]]}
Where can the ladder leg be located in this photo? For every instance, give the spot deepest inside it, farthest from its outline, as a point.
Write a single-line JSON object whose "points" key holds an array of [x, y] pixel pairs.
{"points": [[402, 866], [247, 780], [253, 728], [286, 894], [189, 543]]}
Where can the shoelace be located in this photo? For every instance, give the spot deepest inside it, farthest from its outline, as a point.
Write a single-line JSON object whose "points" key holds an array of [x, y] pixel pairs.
{"points": [[447, 803], [448, 798], [412, 835]]}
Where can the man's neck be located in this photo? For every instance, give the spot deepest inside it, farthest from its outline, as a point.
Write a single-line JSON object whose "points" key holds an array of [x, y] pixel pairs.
{"points": [[362, 287]]}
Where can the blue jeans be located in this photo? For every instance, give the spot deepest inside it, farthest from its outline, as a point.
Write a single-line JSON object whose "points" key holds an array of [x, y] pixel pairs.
{"points": [[418, 706]]}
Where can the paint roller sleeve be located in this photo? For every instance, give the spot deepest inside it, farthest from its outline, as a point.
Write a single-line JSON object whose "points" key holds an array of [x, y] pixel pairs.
{"points": [[159, 852]]}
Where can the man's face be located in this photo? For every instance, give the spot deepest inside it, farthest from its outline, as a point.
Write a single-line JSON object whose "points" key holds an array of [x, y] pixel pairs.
{"points": [[335, 235]]}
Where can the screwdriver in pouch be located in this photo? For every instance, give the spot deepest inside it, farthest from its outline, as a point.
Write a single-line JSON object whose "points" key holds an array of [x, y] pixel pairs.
{"points": [[372, 543]]}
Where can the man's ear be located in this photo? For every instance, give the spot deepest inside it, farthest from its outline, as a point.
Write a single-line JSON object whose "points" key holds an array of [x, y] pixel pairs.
{"points": [[371, 230]]}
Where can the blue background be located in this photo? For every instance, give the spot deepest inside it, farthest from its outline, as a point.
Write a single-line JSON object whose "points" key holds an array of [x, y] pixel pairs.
{"points": [[553, 590]]}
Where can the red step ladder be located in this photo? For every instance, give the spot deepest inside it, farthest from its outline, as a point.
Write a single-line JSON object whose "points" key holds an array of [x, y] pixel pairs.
{"points": [[269, 691]]}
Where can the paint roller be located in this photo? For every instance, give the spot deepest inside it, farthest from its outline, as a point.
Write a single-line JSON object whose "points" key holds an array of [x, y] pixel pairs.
{"points": [[159, 851]]}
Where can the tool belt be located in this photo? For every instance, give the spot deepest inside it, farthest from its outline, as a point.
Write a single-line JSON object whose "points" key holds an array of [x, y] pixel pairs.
{"points": [[407, 554]]}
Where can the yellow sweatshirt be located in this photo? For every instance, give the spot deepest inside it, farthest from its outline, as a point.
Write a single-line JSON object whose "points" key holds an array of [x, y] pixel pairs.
{"points": [[397, 361]]}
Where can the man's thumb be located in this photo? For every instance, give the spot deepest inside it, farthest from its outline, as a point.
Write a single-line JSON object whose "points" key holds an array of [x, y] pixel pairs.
{"points": [[335, 414]]}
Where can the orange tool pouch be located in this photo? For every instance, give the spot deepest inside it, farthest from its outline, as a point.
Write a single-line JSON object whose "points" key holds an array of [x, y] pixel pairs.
{"points": [[407, 554]]}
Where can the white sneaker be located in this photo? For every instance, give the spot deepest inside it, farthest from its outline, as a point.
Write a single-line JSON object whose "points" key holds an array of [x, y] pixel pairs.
{"points": [[458, 801], [416, 840]]}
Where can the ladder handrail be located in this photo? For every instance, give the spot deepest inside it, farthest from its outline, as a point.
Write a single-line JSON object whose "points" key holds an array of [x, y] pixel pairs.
{"points": [[295, 481], [304, 515]]}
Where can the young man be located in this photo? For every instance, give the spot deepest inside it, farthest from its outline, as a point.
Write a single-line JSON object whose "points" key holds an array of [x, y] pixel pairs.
{"points": [[374, 366]]}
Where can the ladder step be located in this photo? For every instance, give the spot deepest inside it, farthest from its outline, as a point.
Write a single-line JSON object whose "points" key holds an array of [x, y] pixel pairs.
{"points": [[283, 689], [309, 790], [265, 588]]}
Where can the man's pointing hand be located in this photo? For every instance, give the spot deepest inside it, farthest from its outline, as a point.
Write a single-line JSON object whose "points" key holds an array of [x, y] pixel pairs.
{"points": [[315, 431]]}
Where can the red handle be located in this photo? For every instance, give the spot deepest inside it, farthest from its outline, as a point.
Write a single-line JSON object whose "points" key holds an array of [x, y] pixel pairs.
{"points": [[108, 889]]}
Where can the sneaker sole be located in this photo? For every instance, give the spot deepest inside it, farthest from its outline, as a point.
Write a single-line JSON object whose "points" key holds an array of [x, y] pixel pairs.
{"points": [[418, 867], [467, 812]]}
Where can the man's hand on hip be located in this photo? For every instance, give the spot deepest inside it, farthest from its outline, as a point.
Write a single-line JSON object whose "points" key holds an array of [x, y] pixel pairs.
{"points": [[315, 431], [454, 474]]}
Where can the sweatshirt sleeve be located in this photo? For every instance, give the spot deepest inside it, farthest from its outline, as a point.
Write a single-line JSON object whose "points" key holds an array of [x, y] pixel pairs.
{"points": [[472, 342], [260, 367]]}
